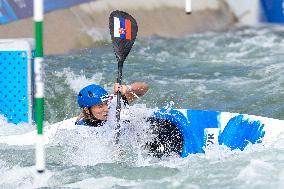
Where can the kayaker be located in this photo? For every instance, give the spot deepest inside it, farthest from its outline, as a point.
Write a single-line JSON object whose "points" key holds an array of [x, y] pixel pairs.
{"points": [[99, 109], [98, 106]]}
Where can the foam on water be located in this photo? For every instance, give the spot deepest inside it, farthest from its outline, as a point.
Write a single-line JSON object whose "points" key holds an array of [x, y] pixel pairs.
{"points": [[77, 81], [10, 128], [82, 144], [81, 150], [257, 171], [102, 183], [23, 177]]}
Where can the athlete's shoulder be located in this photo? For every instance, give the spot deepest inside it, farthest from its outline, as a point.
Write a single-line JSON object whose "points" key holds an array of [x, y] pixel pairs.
{"points": [[81, 122]]}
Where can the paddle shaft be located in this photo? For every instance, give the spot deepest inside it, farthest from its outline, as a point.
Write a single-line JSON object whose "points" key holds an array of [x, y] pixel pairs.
{"points": [[118, 107]]}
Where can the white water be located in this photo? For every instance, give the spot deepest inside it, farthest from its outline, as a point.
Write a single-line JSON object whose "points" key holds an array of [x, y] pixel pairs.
{"points": [[236, 71]]}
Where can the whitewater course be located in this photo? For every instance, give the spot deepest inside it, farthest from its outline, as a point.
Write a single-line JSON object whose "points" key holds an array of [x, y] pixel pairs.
{"points": [[239, 70]]}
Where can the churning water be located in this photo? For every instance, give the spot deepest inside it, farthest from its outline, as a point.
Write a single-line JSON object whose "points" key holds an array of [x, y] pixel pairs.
{"points": [[241, 70]]}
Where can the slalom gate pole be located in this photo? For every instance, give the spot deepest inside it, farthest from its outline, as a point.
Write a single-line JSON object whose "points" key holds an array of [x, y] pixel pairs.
{"points": [[39, 84], [188, 7]]}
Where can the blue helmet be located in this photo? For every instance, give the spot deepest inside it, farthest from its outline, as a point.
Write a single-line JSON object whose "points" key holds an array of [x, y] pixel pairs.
{"points": [[92, 95]]}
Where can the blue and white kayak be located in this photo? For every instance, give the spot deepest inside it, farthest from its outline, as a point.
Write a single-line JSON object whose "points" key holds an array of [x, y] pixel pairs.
{"points": [[199, 129]]}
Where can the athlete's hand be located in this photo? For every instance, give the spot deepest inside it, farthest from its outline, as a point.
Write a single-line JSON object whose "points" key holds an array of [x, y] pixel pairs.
{"points": [[121, 88]]}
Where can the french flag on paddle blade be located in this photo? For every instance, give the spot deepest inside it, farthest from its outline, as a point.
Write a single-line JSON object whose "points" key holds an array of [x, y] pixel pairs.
{"points": [[122, 28]]}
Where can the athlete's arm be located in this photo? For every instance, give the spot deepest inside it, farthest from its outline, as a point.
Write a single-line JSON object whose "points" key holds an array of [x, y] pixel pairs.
{"points": [[132, 91]]}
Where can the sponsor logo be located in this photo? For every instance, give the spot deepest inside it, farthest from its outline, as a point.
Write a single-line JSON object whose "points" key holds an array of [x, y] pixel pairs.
{"points": [[106, 98], [211, 136]]}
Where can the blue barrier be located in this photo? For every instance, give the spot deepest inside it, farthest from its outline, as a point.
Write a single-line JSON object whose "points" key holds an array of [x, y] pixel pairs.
{"points": [[272, 11], [13, 10], [16, 83]]}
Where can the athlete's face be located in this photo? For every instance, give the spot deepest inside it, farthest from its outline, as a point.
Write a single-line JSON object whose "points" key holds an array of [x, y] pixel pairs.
{"points": [[100, 111]]}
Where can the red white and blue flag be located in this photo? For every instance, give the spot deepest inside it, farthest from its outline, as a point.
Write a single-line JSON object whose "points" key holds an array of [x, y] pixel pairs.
{"points": [[122, 28]]}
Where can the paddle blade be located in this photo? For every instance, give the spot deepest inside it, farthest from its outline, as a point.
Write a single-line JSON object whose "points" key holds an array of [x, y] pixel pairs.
{"points": [[123, 31]]}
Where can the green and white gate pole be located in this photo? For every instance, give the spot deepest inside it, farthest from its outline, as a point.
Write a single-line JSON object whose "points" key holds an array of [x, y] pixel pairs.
{"points": [[39, 84]]}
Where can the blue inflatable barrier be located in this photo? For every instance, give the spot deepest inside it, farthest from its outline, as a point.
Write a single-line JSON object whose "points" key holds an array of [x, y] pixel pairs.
{"points": [[12, 10], [16, 80], [272, 11]]}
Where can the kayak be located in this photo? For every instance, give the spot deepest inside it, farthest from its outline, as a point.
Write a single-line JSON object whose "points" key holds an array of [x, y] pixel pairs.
{"points": [[185, 131], [200, 129]]}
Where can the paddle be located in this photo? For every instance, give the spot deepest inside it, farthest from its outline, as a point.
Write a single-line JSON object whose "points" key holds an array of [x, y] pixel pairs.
{"points": [[123, 31]]}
